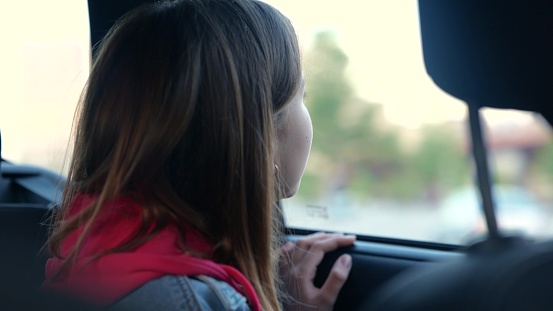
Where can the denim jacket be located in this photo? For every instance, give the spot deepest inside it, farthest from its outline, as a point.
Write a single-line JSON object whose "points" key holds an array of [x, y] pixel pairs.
{"points": [[176, 293]]}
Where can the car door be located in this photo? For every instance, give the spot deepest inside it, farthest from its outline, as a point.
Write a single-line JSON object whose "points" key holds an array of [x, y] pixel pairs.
{"points": [[389, 146]]}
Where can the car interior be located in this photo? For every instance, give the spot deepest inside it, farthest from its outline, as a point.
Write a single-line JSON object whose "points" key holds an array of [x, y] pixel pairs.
{"points": [[486, 53]]}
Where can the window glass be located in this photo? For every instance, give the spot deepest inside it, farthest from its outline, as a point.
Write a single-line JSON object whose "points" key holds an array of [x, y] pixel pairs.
{"points": [[390, 153], [45, 61], [520, 155]]}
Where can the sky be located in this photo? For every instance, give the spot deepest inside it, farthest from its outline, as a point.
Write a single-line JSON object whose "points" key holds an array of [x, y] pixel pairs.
{"points": [[44, 64], [382, 41]]}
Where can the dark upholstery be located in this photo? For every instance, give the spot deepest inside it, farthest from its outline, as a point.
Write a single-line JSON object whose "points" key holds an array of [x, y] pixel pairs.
{"points": [[506, 275], [27, 195], [104, 13], [495, 53], [22, 235]]}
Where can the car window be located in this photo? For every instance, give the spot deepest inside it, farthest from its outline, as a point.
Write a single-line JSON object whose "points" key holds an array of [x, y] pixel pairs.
{"points": [[45, 61], [390, 156], [391, 152]]}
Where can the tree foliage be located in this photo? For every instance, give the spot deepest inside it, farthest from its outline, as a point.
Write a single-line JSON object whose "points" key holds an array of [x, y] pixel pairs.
{"points": [[355, 150], [544, 161]]}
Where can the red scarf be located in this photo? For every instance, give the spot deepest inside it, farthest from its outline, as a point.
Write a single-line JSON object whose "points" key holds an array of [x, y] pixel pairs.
{"points": [[111, 277]]}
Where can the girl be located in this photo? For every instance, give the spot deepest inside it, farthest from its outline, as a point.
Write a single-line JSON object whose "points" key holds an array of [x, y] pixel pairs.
{"points": [[191, 127]]}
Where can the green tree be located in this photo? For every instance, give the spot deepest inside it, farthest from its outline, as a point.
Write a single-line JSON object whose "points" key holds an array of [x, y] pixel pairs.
{"points": [[543, 162], [346, 129], [439, 164], [356, 150], [328, 93]]}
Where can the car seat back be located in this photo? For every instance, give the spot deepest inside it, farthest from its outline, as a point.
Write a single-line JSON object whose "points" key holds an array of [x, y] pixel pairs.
{"points": [[27, 195]]}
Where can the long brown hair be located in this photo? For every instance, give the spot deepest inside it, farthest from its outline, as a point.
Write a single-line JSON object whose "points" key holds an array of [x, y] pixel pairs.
{"points": [[179, 114]]}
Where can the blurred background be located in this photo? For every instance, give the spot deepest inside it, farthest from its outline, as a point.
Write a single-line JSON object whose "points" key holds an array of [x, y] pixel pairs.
{"points": [[391, 154]]}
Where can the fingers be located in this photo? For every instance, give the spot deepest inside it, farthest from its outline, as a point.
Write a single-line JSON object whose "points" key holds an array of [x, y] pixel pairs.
{"points": [[336, 279], [286, 252], [315, 254], [286, 248], [325, 241], [300, 264], [302, 260]]}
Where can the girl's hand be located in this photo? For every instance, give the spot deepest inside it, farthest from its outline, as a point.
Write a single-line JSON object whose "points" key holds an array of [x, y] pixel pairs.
{"points": [[299, 263]]}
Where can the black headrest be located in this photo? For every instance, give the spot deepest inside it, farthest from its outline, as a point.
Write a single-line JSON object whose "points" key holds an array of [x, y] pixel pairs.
{"points": [[506, 274], [104, 13], [494, 53]]}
